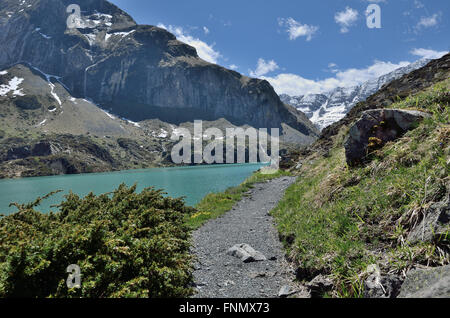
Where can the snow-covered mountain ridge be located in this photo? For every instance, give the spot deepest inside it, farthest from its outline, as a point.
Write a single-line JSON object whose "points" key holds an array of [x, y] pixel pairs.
{"points": [[328, 108]]}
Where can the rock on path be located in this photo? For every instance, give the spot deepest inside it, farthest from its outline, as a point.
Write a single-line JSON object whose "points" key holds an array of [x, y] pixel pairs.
{"points": [[219, 274]]}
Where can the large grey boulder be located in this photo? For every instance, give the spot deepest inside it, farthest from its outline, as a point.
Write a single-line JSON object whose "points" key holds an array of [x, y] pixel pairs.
{"points": [[431, 283], [375, 128]]}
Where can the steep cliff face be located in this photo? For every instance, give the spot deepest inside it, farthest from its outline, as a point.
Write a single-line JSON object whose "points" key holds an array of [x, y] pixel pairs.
{"points": [[136, 71]]}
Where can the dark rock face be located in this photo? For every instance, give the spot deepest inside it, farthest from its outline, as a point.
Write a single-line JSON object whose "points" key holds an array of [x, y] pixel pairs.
{"points": [[432, 283], [387, 287], [45, 148], [375, 128], [320, 285], [18, 153], [58, 154], [435, 225], [40, 149], [378, 286], [27, 102], [137, 72]]}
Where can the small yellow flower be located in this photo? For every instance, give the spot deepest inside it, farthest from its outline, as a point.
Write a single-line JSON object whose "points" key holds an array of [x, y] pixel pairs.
{"points": [[196, 215]]}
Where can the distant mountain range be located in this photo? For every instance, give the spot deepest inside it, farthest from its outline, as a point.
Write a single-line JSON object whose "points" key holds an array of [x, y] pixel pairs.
{"points": [[328, 108]]}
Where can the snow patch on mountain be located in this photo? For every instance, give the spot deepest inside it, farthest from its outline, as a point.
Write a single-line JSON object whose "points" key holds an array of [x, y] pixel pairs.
{"points": [[12, 86], [122, 34]]}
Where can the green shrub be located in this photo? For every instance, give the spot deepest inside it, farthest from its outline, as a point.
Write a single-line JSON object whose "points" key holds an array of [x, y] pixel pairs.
{"points": [[126, 244]]}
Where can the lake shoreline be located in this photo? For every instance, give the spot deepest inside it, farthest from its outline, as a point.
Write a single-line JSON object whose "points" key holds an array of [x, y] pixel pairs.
{"points": [[2, 178], [192, 182]]}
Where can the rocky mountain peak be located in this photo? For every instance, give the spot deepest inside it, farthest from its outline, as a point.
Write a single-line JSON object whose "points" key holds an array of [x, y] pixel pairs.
{"points": [[136, 71]]}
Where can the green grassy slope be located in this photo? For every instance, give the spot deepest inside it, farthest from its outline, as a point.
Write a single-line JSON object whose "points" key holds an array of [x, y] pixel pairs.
{"points": [[338, 220]]}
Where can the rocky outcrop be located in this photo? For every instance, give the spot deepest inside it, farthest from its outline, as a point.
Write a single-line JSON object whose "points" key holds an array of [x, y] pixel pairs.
{"points": [[435, 225], [136, 71], [27, 102], [39, 149], [377, 127], [428, 283], [377, 285], [320, 285]]}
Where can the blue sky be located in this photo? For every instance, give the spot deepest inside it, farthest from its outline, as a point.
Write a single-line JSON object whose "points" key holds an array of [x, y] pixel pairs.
{"points": [[303, 46]]}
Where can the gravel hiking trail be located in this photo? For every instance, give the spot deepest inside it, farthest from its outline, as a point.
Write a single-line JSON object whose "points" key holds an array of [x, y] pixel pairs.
{"points": [[220, 275]]}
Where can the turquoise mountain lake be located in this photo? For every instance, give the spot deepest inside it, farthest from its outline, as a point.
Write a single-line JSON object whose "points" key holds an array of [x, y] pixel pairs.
{"points": [[193, 183]]}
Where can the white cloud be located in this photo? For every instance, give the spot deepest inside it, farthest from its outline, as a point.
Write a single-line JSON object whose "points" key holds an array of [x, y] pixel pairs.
{"points": [[418, 4], [233, 67], [295, 85], [206, 30], [427, 22], [295, 29], [205, 51], [429, 54], [346, 18], [333, 68], [263, 67]]}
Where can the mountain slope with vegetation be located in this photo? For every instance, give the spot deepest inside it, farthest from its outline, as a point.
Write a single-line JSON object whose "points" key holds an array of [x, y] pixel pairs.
{"points": [[349, 225], [44, 130]]}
